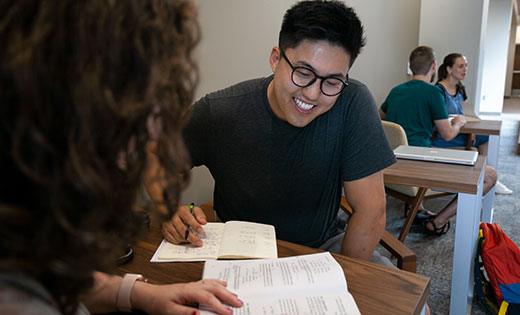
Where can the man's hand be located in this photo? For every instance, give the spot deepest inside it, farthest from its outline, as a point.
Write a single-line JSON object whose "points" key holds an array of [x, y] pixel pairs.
{"points": [[174, 230], [449, 130], [458, 120]]}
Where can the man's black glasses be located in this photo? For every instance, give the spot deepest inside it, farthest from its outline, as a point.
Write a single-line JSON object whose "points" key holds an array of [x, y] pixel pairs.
{"points": [[304, 77]]}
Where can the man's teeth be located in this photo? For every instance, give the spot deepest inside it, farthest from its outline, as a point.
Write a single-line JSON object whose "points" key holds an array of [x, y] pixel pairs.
{"points": [[303, 105]]}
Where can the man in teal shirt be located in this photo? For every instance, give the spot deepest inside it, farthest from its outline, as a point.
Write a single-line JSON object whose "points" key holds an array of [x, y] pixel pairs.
{"points": [[418, 106]]}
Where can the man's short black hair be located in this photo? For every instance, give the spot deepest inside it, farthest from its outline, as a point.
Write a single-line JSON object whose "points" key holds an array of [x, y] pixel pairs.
{"points": [[331, 21], [421, 60]]}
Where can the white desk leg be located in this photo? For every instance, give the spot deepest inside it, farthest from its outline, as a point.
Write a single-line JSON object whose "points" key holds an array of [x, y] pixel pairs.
{"points": [[492, 160], [494, 144], [488, 207], [466, 235]]}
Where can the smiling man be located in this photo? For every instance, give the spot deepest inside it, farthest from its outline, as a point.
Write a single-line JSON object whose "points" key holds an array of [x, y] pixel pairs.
{"points": [[282, 148]]}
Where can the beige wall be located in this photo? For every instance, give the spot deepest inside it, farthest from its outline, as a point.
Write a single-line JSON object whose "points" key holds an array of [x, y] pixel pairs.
{"points": [[482, 36], [463, 31], [496, 51], [511, 52], [392, 31], [238, 35]]}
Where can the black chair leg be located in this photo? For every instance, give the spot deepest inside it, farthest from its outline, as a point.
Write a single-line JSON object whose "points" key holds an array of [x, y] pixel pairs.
{"points": [[406, 208]]}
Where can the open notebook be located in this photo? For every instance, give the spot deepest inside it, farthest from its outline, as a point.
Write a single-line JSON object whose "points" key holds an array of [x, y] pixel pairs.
{"points": [[230, 240], [436, 154]]}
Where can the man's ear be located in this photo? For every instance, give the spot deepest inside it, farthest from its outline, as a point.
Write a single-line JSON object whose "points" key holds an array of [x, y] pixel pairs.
{"points": [[274, 58], [433, 69]]}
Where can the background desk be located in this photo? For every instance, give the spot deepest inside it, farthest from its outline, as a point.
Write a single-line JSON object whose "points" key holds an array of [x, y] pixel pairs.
{"points": [[376, 289], [492, 129], [467, 181]]}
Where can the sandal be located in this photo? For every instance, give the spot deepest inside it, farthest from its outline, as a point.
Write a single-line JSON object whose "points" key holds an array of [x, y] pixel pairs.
{"points": [[423, 215], [438, 231]]}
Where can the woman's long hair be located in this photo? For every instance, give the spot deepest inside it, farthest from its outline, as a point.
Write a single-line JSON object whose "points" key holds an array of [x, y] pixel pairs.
{"points": [[78, 81], [442, 72]]}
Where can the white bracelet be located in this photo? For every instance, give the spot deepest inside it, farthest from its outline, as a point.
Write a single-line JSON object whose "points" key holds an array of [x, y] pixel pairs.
{"points": [[123, 303]]}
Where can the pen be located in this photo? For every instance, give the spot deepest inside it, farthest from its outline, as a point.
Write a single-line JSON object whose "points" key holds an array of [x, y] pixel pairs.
{"points": [[188, 228]]}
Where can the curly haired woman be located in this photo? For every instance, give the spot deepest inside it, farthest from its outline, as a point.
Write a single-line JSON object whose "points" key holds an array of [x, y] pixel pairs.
{"points": [[80, 81]]}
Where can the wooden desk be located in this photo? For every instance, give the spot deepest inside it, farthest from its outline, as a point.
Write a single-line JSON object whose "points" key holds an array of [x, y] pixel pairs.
{"points": [[467, 181], [483, 127], [492, 129], [376, 289]]}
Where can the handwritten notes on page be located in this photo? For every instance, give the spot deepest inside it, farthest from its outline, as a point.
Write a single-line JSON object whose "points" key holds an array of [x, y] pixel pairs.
{"points": [[231, 240], [248, 240]]}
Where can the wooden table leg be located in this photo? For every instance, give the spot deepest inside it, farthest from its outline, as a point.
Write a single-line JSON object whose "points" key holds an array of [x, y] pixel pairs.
{"points": [[412, 213]]}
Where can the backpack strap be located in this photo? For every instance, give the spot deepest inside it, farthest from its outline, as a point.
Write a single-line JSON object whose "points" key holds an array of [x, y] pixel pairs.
{"points": [[480, 280]]}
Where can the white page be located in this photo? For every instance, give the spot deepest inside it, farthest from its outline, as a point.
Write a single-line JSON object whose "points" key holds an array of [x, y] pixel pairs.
{"points": [[276, 284], [168, 252], [313, 304], [248, 239], [298, 275]]}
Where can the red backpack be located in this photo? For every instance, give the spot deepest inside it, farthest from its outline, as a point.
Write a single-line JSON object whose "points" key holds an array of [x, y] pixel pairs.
{"points": [[501, 260]]}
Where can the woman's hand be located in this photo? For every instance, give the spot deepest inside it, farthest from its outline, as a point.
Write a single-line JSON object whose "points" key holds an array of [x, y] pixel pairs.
{"points": [[169, 299]]}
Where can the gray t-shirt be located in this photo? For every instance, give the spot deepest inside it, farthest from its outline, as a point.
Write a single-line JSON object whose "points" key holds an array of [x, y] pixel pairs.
{"points": [[269, 171]]}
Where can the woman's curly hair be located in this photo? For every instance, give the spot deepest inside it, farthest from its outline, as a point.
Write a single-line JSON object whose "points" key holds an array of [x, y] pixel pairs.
{"points": [[78, 82]]}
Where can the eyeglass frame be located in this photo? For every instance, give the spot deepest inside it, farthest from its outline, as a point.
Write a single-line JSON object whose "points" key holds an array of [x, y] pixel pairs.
{"points": [[316, 76]]}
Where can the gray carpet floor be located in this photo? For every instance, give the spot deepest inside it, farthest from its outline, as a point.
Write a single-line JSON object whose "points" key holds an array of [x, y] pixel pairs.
{"points": [[435, 254]]}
